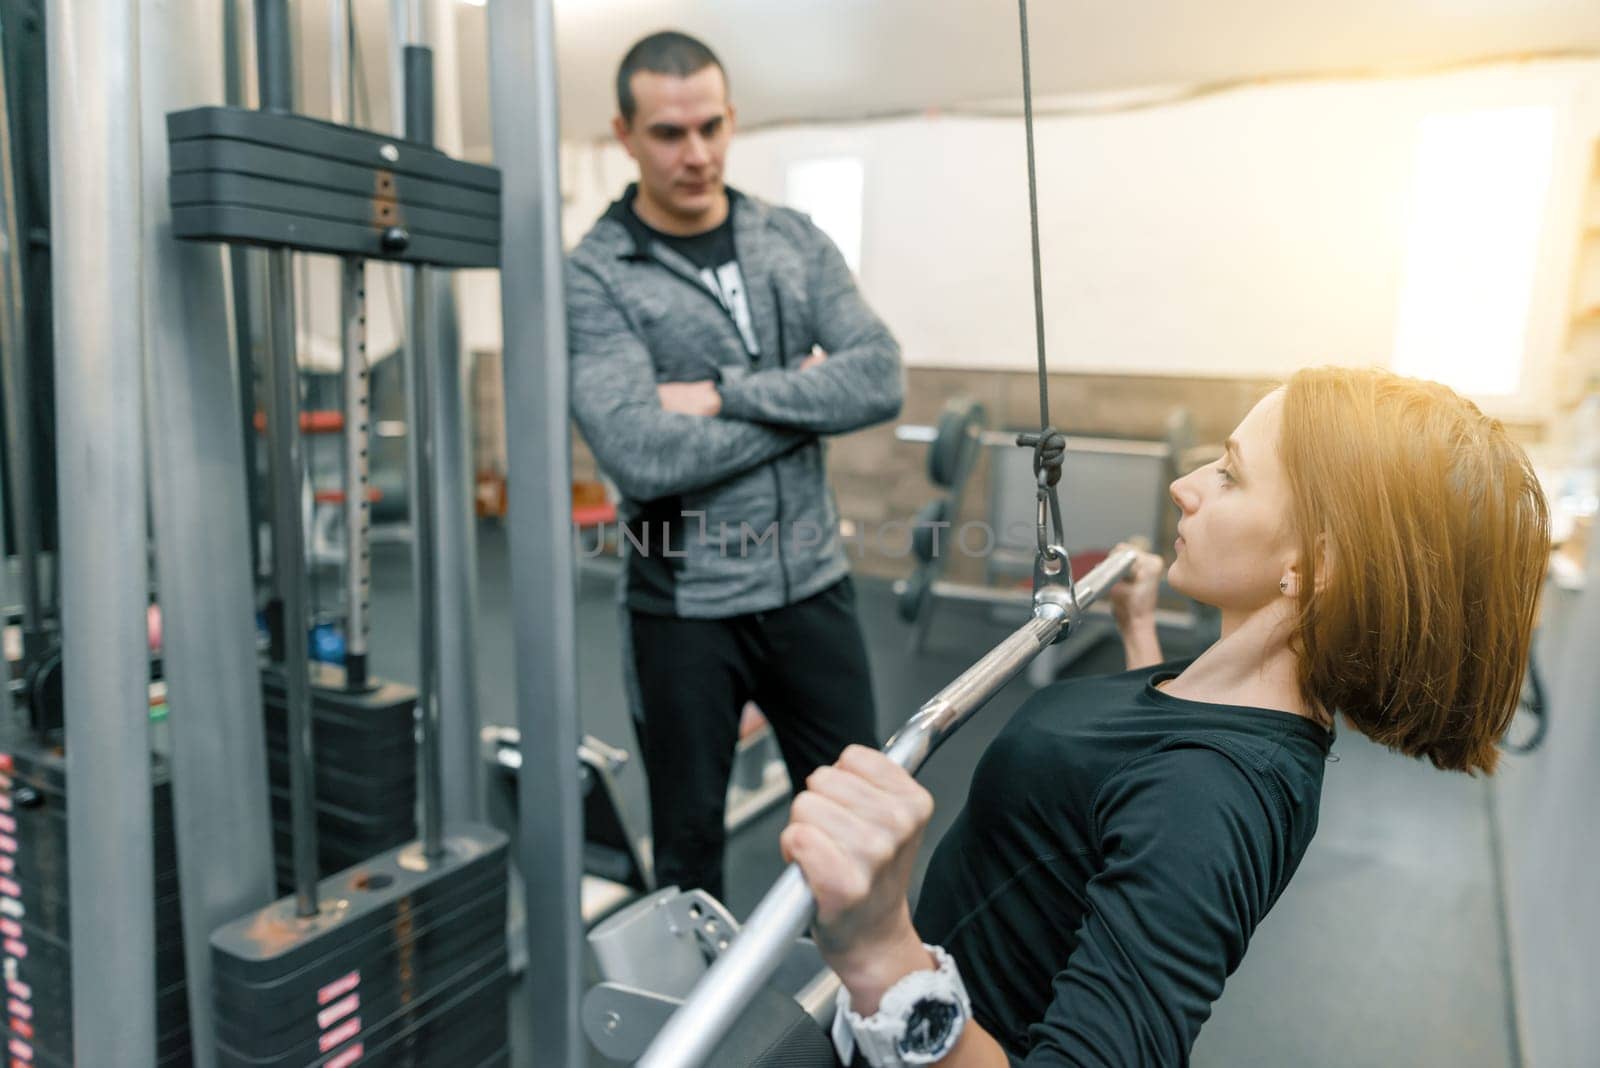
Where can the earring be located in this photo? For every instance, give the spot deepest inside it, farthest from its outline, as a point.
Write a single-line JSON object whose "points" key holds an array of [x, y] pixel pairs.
{"points": [[1283, 585]]}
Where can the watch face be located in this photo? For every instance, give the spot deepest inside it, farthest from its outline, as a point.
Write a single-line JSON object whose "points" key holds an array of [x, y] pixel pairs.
{"points": [[929, 1026]]}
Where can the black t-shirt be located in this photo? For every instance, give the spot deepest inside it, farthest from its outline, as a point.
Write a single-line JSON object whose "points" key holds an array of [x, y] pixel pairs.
{"points": [[708, 250], [716, 259], [1117, 850]]}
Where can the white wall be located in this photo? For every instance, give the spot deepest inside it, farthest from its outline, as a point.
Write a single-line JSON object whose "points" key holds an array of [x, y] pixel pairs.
{"points": [[1242, 234], [1246, 233]]}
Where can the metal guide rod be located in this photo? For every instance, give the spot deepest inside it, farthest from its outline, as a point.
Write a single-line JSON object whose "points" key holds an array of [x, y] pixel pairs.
{"points": [[288, 467], [19, 399], [357, 392], [341, 95], [274, 58], [289, 564], [430, 786], [357, 470], [786, 911], [422, 349]]}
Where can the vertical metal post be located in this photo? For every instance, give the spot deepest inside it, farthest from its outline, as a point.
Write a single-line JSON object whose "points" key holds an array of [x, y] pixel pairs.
{"points": [[274, 55], [12, 343], [455, 548], [526, 147], [429, 788], [244, 277], [19, 399], [341, 91], [289, 564], [419, 127], [440, 519], [288, 464], [95, 234], [222, 821], [455, 567], [356, 392], [357, 438]]}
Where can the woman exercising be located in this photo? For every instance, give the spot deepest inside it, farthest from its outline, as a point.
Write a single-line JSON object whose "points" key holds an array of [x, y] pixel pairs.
{"points": [[1375, 546]]}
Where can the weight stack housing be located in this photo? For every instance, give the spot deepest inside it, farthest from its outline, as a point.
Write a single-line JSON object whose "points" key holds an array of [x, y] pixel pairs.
{"points": [[404, 964], [290, 181], [365, 745], [35, 902]]}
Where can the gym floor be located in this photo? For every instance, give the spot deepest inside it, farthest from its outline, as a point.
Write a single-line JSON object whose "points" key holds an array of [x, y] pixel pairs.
{"points": [[1387, 949]]}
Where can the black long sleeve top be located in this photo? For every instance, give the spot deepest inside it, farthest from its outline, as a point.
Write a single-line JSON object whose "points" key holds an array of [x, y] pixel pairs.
{"points": [[1117, 849]]}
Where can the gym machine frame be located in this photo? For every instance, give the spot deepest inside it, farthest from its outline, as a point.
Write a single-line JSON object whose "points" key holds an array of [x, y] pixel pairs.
{"points": [[296, 184]]}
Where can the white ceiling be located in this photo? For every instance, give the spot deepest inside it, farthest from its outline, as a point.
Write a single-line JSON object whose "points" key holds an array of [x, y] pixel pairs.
{"points": [[843, 59]]}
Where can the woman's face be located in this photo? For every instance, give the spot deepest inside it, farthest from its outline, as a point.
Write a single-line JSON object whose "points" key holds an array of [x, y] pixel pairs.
{"points": [[1235, 542]]}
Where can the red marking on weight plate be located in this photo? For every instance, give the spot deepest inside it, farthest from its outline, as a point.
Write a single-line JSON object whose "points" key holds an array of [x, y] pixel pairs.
{"points": [[20, 1048], [9, 888], [347, 1030], [339, 987], [337, 1011], [20, 989], [8, 863], [8, 843], [8, 824], [17, 949], [23, 1028], [11, 928], [20, 1009], [346, 1058], [6, 765], [5, 801]]}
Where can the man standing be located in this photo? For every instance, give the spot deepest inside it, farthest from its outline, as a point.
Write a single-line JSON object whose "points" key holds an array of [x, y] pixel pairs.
{"points": [[715, 339]]}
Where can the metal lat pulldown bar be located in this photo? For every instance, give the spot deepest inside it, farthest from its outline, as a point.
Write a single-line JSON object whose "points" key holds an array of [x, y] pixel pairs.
{"points": [[789, 907]]}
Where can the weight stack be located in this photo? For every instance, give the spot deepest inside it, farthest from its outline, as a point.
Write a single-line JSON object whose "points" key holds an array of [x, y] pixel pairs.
{"points": [[404, 965], [366, 771], [35, 925]]}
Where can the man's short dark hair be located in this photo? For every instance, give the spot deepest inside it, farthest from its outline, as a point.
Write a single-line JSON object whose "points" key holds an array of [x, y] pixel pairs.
{"points": [[667, 52]]}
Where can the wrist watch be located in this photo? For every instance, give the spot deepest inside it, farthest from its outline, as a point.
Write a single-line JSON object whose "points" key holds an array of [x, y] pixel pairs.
{"points": [[918, 1020]]}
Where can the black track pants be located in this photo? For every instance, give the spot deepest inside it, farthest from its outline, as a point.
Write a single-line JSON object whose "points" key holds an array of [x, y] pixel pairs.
{"points": [[805, 665]]}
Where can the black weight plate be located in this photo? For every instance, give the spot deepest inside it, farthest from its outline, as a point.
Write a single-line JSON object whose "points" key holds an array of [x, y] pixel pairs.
{"points": [[387, 985], [912, 599], [926, 534], [271, 943], [245, 989], [302, 134], [198, 188], [272, 229], [466, 1024], [959, 424]]}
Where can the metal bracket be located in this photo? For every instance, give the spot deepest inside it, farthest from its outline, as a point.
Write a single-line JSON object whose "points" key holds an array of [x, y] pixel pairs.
{"points": [[621, 1020], [703, 916]]}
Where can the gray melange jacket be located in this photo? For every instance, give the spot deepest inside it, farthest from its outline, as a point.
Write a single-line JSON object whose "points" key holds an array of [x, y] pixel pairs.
{"points": [[741, 500]]}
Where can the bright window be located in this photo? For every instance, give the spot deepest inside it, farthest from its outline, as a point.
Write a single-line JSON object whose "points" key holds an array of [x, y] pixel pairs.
{"points": [[1476, 207], [830, 190]]}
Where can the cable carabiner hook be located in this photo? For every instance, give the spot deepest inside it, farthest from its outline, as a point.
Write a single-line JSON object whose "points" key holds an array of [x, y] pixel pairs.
{"points": [[1052, 567]]}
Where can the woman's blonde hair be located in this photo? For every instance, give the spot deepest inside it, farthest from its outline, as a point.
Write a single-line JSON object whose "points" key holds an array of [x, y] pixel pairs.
{"points": [[1423, 539]]}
